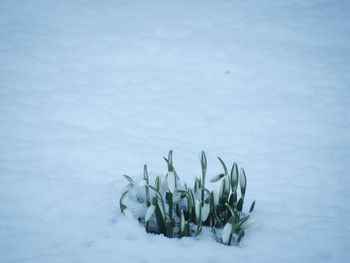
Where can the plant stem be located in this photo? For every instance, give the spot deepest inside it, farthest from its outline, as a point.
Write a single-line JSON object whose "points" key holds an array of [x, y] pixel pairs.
{"points": [[161, 200]]}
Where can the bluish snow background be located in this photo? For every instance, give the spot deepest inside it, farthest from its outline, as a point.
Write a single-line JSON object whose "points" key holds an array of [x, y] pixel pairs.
{"points": [[90, 90]]}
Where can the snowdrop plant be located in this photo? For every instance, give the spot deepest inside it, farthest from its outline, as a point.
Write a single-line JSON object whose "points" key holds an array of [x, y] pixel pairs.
{"points": [[176, 210]]}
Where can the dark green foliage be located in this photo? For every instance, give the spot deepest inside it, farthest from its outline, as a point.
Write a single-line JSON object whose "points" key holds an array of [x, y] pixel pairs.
{"points": [[210, 210]]}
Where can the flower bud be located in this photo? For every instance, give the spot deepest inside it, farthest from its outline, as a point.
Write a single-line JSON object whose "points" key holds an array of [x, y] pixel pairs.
{"points": [[205, 211], [242, 181], [182, 222], [142, 183], [150, 212], [197, 207], [171, 181], [215, 197], [248, 223], [226, 233], [216, 178], [163, 184]]}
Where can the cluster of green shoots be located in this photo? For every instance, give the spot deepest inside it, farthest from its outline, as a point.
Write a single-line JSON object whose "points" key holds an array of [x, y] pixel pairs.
{"points": [[176, 210]]}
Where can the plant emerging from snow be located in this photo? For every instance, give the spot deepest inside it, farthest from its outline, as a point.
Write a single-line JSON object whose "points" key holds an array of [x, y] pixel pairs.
{"points": [[177, 210]]}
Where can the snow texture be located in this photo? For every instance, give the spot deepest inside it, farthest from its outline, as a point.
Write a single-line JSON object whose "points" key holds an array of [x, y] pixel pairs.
{"points": [[90, 90]]}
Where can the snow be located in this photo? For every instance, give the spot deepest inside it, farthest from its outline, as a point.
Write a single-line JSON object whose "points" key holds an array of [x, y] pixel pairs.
{"points": [[91, 90]]}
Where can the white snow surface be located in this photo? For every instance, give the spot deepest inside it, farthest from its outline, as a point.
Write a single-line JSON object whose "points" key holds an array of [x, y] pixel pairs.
{"points": [[91, 90]]}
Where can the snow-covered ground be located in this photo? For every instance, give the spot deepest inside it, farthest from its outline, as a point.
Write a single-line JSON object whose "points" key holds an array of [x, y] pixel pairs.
{"points": [[90, 90]]}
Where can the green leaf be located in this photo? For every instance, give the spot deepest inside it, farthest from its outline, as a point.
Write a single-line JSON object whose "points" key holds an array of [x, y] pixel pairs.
{"points": [[197, 184], [233, 199], [204, 171], [161, 200], [222, 192], [155, 200], [170, 160], [240, 204], [223, 165], [203, 162], [122, 206], [241, 235], [145, 176], [236, 226], [230, 239], [189, 201], [169, 199], [157, 183], [178, 218], [169, 229], [145, 173], [213, 210], [241, 221], [193, 208], [232, 210], [160, 220], [252, 207], [147, 226], [130, 180]]}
